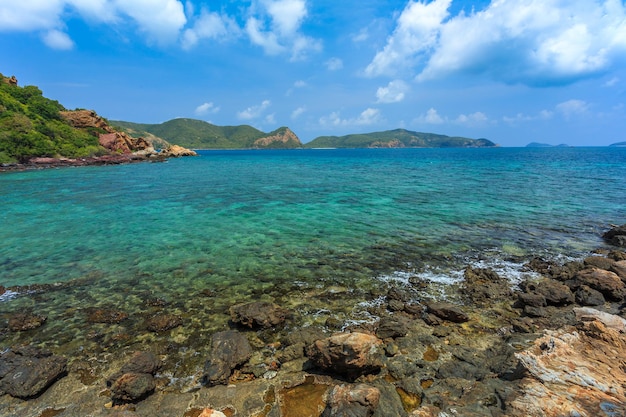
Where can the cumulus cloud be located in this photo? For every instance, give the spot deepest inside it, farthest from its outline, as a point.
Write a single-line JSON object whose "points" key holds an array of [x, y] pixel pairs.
{"points": [[368, 116], [297, 112], [513, 41], [160, 20], [393, 93], [334, 64], [521, 117], [275, 27], [56, 39], [210, 25], [254, 112], [571, 108], [207, 108], [431, 117], [473, 119]]}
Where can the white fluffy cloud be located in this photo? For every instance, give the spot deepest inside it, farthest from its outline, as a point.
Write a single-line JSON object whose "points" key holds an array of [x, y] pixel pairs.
{"points": [[297, 112], [207, 108], [513, 41], [393, 93], [431, 117], [334, 64], [56, 39], [572, 108], [275, 27], [160, 20], [368, 116], [210, 25], [254, 112]]}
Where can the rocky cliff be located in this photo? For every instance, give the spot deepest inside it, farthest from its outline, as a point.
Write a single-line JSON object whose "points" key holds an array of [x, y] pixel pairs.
{"points": [[280, 138]]}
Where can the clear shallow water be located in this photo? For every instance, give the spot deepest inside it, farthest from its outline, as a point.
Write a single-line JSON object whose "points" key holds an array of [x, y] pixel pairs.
{"points": [[291, 225]]}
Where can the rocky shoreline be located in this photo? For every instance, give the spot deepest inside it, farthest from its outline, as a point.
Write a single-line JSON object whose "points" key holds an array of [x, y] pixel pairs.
{"points": [[551, 346]]}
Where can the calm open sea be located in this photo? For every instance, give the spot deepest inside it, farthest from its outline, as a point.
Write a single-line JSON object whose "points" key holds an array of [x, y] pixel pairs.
{"points": [[280, 224]]}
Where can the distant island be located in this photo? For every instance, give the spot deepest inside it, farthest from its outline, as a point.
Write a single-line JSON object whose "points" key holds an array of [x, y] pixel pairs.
{"points": [[546, 145], [618, 144], [197, 134]]}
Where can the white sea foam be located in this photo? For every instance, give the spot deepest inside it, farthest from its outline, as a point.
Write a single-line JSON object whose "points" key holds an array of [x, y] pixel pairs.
{"points": [[8, 295]]}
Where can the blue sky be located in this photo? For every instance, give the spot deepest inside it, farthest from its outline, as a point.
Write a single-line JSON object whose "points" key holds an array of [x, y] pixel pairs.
{"points": [[513, 71]]}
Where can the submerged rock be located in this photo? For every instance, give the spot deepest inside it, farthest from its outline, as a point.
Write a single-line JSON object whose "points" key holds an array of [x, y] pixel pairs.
{"points": [[347, 354], [229, 349], [108, 316], [163, 322], [27, 372], [20, 322], [259, 314]]}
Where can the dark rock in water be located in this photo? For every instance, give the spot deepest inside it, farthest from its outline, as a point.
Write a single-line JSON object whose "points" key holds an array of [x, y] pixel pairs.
{"points": [[554, 292], [448, 312], [586, 296], [554, 270], [258, 314], [347, 354], [135, 379], [107, 316], [20, 322], [229, 349], [396, 293], [163, 322], [305, 335], [359, 400], [27, 372], [599, 262], [139, 363], [616, 236], [132, 387], [392, 327], [608, 283]]}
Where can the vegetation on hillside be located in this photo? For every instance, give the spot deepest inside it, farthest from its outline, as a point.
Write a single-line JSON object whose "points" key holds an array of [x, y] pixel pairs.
{"points": [[399, 138], [31, 126], [198, 134]]}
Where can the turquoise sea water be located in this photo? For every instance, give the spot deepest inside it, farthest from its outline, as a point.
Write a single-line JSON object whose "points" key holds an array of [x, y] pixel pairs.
{"points": [[288, 226]]}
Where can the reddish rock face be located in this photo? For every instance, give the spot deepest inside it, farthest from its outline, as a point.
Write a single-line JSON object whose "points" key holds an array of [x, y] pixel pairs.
{"points": [[575, 372]]}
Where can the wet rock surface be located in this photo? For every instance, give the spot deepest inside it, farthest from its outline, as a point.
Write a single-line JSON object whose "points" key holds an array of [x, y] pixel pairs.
{"points": [[616, 236], [135, 379], [26, 372], [229, 349], [359, 400]]}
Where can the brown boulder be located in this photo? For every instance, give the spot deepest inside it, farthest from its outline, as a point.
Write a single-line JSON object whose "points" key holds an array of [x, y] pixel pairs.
{"points": [[620, 269], [163, 322], [616, 236], [132, 387], [554, 292], [258, 314], [347, 354], [229, 349], [176, 151], [608, 283], [27, 372]]}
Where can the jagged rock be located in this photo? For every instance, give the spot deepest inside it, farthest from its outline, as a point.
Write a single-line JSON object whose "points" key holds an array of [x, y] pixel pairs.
{"points": [[448, 312], [608, 283], [616, 236], [586, 296], [574, 372], [229, 349], [139, 363], [347, 354], [258, 314], [620, 269], [26, 372], [485, 285], [282, 136], [20, 322], [599, 262], [359, 400], [392, 327], [163, 322], [532, 299]]}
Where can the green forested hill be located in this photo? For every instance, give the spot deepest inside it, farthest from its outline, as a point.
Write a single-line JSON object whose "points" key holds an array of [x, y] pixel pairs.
{"points": [[31, 126], [399, 138], [197, 134]]}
